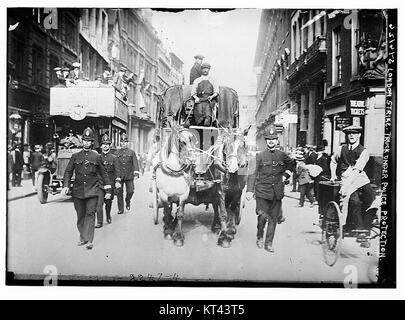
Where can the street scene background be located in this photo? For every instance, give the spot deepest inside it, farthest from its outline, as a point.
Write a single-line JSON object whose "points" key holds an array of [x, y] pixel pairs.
{"points": [[307, 73]]}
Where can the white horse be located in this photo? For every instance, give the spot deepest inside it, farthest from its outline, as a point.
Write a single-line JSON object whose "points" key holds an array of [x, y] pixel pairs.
{"points": [[173, 180]]}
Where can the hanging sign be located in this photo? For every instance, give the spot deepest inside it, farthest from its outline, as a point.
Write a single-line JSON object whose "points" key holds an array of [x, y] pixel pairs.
{"points": [[356, 108]]}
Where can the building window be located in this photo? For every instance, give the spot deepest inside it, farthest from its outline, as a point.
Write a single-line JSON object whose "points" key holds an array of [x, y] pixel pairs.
{"points": [[337, 58], [148, 72], [85, 18], [53, 63], [147, 102], [304, 20], [136, 37], [85, 61], [124, 52], [38, 67], [19, 57], [354, 41], [323, 21], [104, 27], [70, 33]]}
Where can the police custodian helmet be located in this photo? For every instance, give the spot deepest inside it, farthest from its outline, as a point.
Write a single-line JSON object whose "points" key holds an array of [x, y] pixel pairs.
{"points": [[105, 139], [271, 133], [124, 137], [88, 134]]}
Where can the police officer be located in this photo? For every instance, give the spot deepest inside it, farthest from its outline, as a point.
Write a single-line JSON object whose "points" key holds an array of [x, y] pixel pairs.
{"points": [[129, 167], [111, 164], [87, 166], [195, 71], [354, 155], [266, 183]]}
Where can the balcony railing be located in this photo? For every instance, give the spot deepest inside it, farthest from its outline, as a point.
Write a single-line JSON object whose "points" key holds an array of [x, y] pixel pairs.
{"points": [[314, 51]]}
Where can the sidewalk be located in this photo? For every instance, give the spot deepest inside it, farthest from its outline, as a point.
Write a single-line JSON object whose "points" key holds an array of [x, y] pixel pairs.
{"points": [[289, 194], [27, 190]]}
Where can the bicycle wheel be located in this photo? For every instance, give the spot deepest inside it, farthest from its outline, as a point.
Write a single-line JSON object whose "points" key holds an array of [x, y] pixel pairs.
{"points": [[332, 230]]}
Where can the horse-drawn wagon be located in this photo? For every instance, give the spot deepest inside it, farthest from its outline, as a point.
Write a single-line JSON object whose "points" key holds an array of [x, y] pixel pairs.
{"points": [[199, 164]]}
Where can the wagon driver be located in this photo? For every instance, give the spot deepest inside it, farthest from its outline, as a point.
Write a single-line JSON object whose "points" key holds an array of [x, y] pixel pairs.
{"points": [[204, 87]]}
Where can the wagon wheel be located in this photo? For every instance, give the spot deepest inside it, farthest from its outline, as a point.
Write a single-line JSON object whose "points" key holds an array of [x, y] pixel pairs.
{"points": [[42, 188], [331, 233], [155, 203], [242, 205]]}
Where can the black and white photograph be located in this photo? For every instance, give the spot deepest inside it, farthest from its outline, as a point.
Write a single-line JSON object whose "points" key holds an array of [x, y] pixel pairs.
{"points": [[250, 147]]}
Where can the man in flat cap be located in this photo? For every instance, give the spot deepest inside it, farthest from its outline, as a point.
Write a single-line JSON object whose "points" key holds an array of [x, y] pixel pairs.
{"points": [[88, 167], [129, 168], [65, 73], [195, 71], [204, 90], [266, 183], [353, 157], [76, 75], [59, 76]]}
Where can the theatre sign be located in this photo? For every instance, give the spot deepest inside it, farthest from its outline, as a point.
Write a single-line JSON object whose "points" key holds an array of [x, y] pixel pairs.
{"points": [[356, 108]]}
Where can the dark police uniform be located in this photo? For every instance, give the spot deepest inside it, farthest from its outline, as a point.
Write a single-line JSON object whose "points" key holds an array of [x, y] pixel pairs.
{"points": [[112, 167], [87, 167], [267, 184], [128, 163]]}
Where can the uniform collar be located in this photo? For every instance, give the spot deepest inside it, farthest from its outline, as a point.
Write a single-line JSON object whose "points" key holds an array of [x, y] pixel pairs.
{"points": [[353, 146]]}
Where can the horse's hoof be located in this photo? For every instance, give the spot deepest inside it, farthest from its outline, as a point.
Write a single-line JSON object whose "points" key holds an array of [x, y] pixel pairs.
{"points": [[225, 244], [231, 231], [178, 242], [231, 236], [168, 236], [216, 228]]}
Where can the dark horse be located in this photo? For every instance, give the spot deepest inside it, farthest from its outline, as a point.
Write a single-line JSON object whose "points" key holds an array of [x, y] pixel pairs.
{"points": [[234, 155]]}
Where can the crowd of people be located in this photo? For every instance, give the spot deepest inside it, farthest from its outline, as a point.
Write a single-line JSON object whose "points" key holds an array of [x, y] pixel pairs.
{"points": [[71, 77], [312, 165], [29, 161]]}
